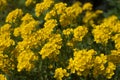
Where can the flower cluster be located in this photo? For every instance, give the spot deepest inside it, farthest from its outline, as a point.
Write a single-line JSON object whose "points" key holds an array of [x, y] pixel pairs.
{"points": [[43, 6], [59, 41], [14, 16], [60, 73], [25, 60], [66, 15], [80, 32], [29, 2], [82, 62], [2, 77], [51, 48]]}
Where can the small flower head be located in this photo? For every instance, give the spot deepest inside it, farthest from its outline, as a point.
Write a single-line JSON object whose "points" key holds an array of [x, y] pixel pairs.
{"points": [[14, 16], [87, 6], [60, 73]]}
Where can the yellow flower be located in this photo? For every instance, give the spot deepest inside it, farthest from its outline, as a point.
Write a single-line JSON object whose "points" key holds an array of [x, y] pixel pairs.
{"points": [[29, 2], [64, 19], [114, 57], [81, 62], [27, 27], [99, 65], [16, 31], [25, 60], [5, 36], [2, 77], [43, 6], [49, 26], [14, 15], [60, 73], [60, 7], [116, 39], [101, 59], [27, 18], [51, 48], [50, 15], [50, 23], [98, 11], [6, 63], [70, 43], [68, 31], [5, 28], [3, 61], [90, 16], [110, 70], [80, 32], [70, 14], [87, 6], [101, 34]]}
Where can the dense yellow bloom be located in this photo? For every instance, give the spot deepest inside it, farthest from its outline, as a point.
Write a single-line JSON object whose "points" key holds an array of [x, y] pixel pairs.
{"points": [[112, 23], [110, 19], [101, 33], [28, 25], [2, 77], [27, 18], [50, 15], [80, 32], [5, 28], [58, 38], [116, 39], [14, 15], [116, 28], [30, 41], [114, 57], [29, 2], [25, 60], [110, 70], [81, 62], [5, 38], [43, 6], [49, 26], [100, 59], [87, 6], [6, 63], [31, 36], [66, 15], [70, 15], [60, 73], [3, 61], [27, 29], [50, 23], [60, 7], [90, 16], [51, 48], [99, 65], [67, 31], [74, 10]]}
